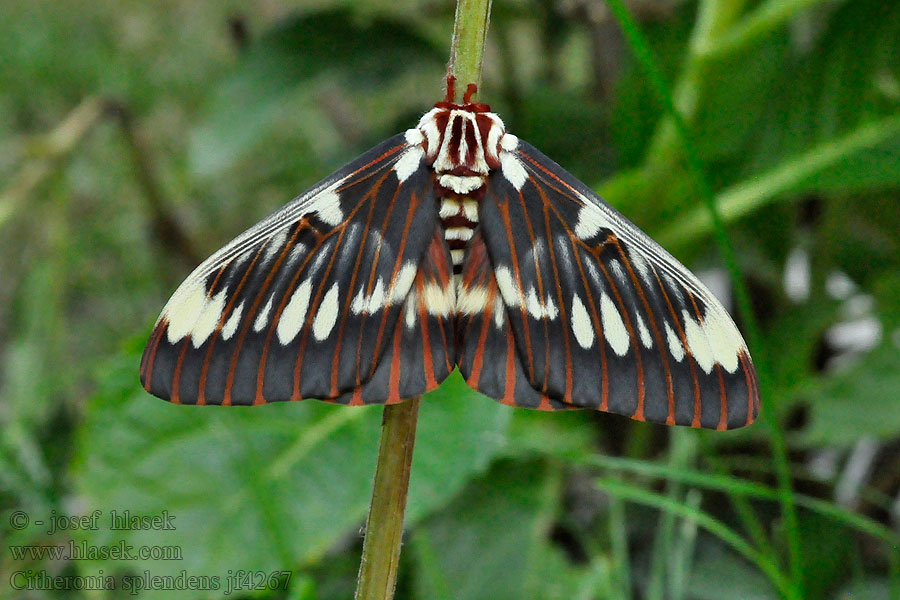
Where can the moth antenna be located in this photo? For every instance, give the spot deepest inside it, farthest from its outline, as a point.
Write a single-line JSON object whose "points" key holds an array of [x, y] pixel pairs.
{"points": [[451, 89], [471, 90]]}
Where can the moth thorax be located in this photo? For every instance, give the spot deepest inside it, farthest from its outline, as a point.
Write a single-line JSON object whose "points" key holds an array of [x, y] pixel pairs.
{"points": [[462, 143]]}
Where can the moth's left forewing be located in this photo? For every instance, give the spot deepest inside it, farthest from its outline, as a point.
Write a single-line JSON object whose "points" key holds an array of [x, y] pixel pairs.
{"points": [[602, 316], [306, 303]]}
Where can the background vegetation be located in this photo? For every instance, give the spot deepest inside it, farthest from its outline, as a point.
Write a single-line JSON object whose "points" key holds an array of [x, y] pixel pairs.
{"points": [[137, 137]]}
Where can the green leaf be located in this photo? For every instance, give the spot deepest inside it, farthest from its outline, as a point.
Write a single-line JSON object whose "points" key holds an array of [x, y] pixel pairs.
{"points": [[777, 99], [859, 401], [828, 553], [458, 435], [866, 589], [293, 58], [557, 434], [262, 488], [720, 574], [492, 542], [777, 120]]}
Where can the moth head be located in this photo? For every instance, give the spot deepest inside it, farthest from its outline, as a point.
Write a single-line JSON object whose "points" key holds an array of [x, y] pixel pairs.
{"points": [[461, 139]]}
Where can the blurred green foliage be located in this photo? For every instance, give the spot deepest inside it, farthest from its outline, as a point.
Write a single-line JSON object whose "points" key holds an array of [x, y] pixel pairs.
{"points": [[138, 137]]}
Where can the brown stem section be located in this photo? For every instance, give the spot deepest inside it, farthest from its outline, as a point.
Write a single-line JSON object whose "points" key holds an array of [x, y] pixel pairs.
{"points": [[384, 527]]}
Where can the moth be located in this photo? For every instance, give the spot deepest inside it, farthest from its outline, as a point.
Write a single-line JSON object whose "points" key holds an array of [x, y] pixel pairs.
{"points": [[453, 245]]}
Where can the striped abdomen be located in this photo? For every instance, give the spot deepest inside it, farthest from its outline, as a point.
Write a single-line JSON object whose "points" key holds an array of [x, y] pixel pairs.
{"points": [[459, 218]]}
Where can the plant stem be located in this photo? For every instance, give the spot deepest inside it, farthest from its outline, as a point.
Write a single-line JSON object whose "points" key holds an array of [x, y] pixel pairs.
{"points": [[713, 18], [769, 186], [764, 19], [467, 47], [384, 526]]}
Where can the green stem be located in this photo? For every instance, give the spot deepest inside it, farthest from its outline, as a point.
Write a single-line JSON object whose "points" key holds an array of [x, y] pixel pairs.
{"points": [[762, 20], [467, 47], [713, 18], [752, 194], [384, 526], [727, 535]]}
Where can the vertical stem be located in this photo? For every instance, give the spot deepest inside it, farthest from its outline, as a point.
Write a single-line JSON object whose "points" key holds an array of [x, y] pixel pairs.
{"points": [[467, 47], [714, 17], [384, 526]]}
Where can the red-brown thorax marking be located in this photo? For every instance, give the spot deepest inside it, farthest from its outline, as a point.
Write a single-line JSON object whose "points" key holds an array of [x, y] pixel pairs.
{"points": [[462, 145]]}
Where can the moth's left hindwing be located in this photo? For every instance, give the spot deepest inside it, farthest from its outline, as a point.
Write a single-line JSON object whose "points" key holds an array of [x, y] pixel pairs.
{"points": [[309, 302]]}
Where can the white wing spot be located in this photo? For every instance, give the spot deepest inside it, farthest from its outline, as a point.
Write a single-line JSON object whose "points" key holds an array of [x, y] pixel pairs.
{"points": [[581, 323], [183, 310], [371, 303], [698, 343], [644, 333], [208, 319], [263, 316], [513, 169], [675, 347], [327, 314], [537, 308], [400, 286], [564, 257], [613, 326], [594, 273], [499, 312], [294, 314], [643, 269], [409, 162], [439, 300], [472, 300], [327, 206], [617, 270], [320, 257], [232, 323], [538, 250], [274, 245], [410, 312], [296, 253], [725, 340], [591, 219], [510, 291]]}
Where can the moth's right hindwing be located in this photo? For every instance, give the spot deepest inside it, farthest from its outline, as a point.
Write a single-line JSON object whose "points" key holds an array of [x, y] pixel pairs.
{"points": [[599, 314], [305, 303]]}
